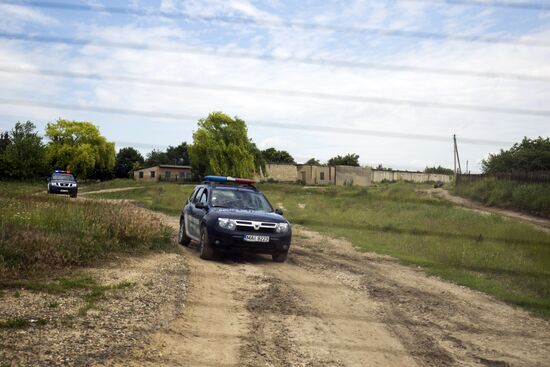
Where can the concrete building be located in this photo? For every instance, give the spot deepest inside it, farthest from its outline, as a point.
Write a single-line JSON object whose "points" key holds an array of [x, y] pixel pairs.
{"points": [[164, 172], [315, 175], [279, 173]]}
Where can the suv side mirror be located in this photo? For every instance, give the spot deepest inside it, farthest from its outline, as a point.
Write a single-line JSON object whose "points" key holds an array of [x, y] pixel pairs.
{"points": [[279, 211], [200, 206]]}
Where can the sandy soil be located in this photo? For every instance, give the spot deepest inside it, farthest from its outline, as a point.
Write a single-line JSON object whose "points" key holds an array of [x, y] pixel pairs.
{"points": [[328, 305]]}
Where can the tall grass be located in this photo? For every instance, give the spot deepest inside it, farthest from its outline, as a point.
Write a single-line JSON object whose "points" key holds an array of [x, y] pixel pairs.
{"points": [[39, 232], [502, 257], [533, 198]]}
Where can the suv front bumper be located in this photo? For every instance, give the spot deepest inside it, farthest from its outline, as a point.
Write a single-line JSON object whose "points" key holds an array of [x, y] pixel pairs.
{"points": [[63, 190], [233, 241]]}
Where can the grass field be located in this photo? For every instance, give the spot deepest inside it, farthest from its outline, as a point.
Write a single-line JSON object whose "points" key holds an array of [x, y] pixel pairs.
{"points": [[532, 198], [504, 258], [42, 233]]}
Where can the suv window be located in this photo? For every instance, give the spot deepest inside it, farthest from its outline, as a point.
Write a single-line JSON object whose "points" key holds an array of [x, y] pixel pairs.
{"points": [[204, 197], [197, 195]]}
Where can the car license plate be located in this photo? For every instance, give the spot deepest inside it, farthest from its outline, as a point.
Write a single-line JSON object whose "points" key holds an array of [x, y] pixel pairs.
{"points": [[256, 238], [63, 190]]}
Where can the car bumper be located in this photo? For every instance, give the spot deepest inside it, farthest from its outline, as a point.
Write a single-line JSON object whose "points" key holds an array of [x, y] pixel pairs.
{"points": [[233, 241], [63, 190]]}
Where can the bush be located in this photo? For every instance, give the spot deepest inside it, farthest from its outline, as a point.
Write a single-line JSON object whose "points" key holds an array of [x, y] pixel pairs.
{"points": [[41, 233], [533, 198]]}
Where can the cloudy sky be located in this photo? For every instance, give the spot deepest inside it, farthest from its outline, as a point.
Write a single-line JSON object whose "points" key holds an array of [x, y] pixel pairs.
{"points": [[282, 65]]}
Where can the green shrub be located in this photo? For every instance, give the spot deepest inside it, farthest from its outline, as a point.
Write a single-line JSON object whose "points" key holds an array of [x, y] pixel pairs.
{"points": [[41, 233], [533, 198]]}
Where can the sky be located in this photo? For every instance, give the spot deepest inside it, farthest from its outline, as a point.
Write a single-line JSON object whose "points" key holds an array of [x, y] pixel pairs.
{"points": [[228, 66]]}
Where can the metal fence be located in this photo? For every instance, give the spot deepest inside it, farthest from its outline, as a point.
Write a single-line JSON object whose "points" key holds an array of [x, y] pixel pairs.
{"points": [[542, 177]]}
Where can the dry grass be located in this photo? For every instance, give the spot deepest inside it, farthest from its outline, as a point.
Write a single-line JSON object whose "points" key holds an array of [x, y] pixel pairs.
{"points": [[40, 233]]}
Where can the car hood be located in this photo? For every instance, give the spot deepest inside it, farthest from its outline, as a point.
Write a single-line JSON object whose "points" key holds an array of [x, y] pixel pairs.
{"points": [[63, 181], [258, 216]]}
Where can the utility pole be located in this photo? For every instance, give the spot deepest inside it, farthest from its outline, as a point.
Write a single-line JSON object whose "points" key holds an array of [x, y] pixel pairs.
{"points": [[454, 153], [456, 157]]}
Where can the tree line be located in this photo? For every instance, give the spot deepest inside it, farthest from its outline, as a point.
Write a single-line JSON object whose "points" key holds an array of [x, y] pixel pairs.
{"points": [[221, 146]]}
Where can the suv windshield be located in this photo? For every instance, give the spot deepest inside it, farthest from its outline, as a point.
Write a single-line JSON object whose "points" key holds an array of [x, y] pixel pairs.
{"points": [[240, 199], [62, 177]]}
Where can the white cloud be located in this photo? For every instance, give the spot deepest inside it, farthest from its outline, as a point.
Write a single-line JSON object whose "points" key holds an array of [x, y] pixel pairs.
{"points": [[397, 153], [16, 18]]}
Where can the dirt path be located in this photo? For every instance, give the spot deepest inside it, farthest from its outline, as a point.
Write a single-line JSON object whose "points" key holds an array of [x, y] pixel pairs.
{"points": [[111, 190], [479, 207], [330, 305]]}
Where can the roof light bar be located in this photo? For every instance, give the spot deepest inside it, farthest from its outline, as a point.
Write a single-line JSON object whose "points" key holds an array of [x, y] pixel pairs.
{"points": [[229, 179]]}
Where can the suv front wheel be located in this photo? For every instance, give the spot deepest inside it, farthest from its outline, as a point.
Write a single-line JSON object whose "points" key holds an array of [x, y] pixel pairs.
{"points": [[206, 251], [182, 236], [280, 257]]}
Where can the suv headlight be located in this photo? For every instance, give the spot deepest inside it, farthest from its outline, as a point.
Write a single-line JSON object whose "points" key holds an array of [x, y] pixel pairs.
{"points": [[282, 228], [227, 223]]}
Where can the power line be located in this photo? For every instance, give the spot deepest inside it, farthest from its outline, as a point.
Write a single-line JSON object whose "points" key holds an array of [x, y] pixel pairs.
{"points": [[264, 124], [375, 66], [266, 57], [488, 4], [281, 24], [294, 93]]}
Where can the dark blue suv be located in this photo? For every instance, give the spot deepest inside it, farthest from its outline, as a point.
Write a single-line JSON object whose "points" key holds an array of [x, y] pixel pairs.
{"points": [[233, 218]]}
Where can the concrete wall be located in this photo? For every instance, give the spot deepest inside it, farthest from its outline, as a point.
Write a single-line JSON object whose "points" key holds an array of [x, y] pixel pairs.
{"points": [[146, 174], [381, 175], [322, 175], [348, 175], [280, 173]]}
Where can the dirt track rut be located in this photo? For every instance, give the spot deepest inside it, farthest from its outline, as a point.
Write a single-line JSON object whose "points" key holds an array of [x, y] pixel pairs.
{"points": [[330, 305]]}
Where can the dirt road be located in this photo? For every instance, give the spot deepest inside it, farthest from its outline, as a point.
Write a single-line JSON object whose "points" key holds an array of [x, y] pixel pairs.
{"points": [[330, 305], [539, 222]]}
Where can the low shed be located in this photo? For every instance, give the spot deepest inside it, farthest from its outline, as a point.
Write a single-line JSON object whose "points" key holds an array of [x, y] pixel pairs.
{"points": [[164, 172]]}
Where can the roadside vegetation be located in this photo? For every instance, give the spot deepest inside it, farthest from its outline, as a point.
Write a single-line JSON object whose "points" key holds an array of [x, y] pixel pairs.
{"points": [[40, 233], [502, 257], [528, 197]]}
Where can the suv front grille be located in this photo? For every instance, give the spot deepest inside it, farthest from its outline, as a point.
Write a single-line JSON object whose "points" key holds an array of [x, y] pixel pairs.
{"points": [[253, 226]]}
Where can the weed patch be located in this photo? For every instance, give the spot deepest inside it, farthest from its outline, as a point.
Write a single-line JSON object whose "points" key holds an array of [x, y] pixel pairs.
{"points": [[40, 233]]}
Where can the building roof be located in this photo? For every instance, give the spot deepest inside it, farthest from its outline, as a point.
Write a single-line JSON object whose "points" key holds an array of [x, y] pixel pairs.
{"points": [[166, 166]]}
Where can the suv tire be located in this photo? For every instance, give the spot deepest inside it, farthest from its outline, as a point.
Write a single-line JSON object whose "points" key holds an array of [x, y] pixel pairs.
{"points": [[74, 194], [182, 236], [280, 257], [206, 251]]}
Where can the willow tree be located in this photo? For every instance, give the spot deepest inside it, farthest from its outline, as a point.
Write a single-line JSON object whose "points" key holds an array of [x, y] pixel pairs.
{"points": [[221, 147]]}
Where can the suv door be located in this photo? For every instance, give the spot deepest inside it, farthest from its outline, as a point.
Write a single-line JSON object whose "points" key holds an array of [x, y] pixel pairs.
{"points": [[196, 214]]}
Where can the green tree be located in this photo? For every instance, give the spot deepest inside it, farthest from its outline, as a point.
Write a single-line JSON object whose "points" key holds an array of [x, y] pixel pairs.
{"points": [[173, 155], [4, 141], [439, 169], [126, 160], [24, 156], [313, 162], [221, 147], [155, 158], [272, 155], [347, 160], [79, 146], [528, 156], [178, 154]]}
